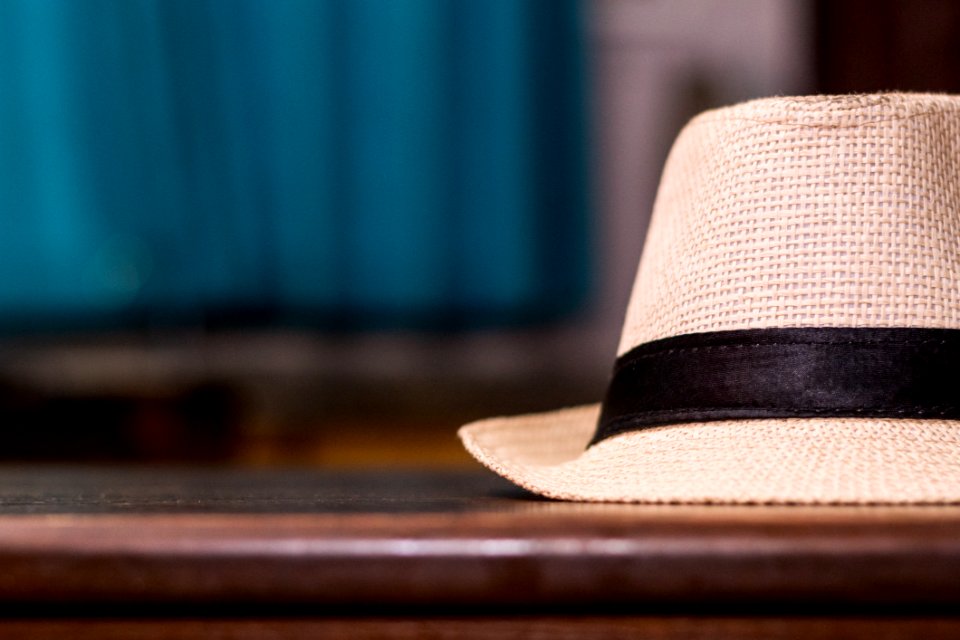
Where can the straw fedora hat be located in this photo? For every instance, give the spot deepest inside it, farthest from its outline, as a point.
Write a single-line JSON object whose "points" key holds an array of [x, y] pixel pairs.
{"points": [[793, 334]]}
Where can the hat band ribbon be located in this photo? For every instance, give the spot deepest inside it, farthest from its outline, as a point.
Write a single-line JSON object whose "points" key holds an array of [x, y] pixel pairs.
{"points": [[785, 373]]}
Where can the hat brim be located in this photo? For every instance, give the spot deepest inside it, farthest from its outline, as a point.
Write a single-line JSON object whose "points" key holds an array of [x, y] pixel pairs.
{"points": [[788, 461]]}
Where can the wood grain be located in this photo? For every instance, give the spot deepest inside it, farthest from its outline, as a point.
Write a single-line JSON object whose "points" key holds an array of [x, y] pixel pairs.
{"points": [[445, 539], [517, 627]]}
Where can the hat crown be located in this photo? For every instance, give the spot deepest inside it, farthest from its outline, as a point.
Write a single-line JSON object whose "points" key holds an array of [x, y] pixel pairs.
{"points": [[825, 211]]}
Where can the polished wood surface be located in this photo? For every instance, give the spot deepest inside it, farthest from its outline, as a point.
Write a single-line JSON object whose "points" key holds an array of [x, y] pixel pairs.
{"points": [[464, 540], [517, 627]]}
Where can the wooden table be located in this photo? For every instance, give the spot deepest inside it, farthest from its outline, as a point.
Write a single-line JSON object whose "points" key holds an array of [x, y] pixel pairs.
{"points": [[159, 553]]}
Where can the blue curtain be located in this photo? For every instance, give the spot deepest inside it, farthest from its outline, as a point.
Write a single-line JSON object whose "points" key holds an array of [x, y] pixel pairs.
{"points": [[337, 163]]}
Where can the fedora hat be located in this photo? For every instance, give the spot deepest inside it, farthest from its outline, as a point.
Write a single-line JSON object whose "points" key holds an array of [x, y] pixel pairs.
{"points": [[793, 333]]}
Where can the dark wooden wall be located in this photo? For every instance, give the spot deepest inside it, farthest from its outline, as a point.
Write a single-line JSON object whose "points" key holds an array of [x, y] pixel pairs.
{"points": [[888, 45]]}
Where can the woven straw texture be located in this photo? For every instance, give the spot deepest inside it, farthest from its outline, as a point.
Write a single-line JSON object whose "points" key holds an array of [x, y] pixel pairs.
{"points": [[825, 211], [806, 212]]}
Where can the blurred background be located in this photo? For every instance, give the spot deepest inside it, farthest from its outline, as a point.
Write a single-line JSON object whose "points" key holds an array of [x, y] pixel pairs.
{"points": [[328, 232]]}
